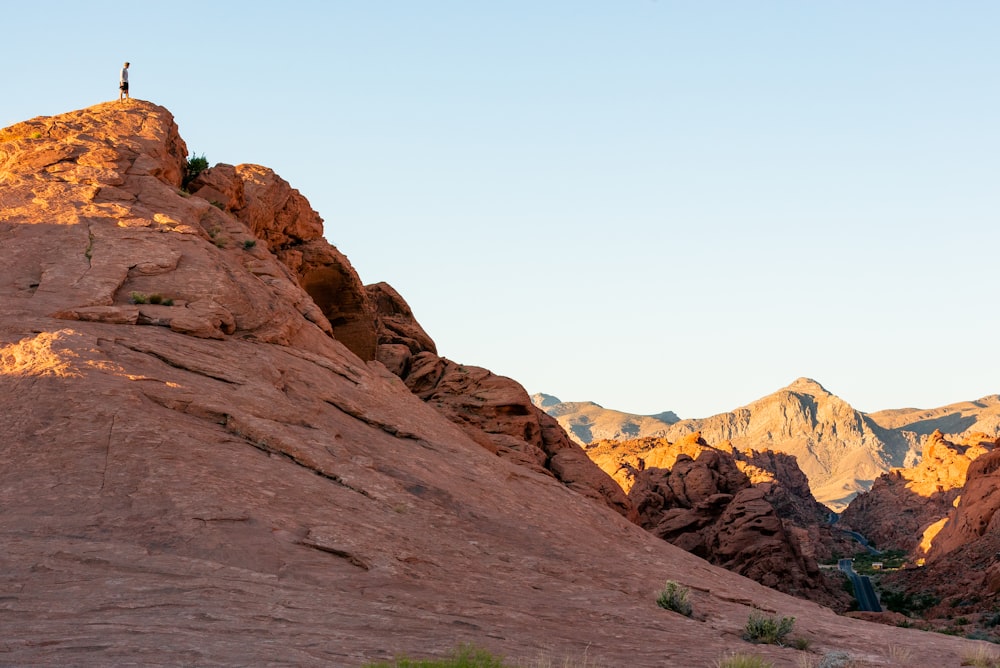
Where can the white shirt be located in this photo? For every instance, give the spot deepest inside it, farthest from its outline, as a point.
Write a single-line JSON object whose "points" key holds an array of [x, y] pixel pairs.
{"points": [[124, 77]]}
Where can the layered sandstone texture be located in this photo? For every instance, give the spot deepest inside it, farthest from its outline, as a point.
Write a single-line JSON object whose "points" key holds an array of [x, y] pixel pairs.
{"points": [[750, 512], [202, 468]]}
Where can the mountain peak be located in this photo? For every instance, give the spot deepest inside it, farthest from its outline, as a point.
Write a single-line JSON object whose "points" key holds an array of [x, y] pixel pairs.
{"points": [[543, 401], [808, 386]]}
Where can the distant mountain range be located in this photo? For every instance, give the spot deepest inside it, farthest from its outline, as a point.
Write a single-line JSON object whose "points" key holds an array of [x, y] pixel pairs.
{"points": [[840, 449]]}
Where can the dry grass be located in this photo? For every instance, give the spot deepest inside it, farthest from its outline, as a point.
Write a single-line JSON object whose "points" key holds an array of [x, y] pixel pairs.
{"points": [[900, 654], [743, 661], [983, 657]]}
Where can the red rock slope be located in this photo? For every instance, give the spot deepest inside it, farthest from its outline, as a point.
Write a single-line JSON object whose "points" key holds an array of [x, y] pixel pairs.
{"points": [[216, 479]]}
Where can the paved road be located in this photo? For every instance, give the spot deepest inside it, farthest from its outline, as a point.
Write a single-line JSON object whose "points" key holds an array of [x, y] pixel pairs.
{"points": [[861, 539], [863, 589]]}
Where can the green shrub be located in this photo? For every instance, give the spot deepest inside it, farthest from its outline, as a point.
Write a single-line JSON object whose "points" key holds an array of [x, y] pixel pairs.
{"points": [[466, 656], [138, 297], [761, 628], [196, 164], [675, 597], [910, 605], [743, 661], [249, 243]]}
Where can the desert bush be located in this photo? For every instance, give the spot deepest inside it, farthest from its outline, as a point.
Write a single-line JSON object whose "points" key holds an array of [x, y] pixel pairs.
{"points": [[196, 164], [138, 297], [249, 243], [676, 597], [768, 630]]}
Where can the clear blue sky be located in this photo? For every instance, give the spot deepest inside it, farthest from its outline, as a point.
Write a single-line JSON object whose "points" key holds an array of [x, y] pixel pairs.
{"points": [[654, 205]]}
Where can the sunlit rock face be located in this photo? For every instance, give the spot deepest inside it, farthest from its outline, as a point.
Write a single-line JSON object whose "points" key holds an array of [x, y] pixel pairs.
{"points": [[907, 507]]}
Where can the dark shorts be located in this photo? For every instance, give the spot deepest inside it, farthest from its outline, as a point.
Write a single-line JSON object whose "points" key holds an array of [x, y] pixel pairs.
{"points": [[123, 87]]}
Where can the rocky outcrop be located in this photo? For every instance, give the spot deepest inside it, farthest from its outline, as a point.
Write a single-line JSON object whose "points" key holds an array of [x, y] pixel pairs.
{"points": [[961, 577], [400, 336], [722, 505], [975, 515], [182, 480], [906, 507], [493, 410], [279, 217]]}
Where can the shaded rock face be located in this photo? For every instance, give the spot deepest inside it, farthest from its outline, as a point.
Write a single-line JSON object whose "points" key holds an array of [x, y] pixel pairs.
{"points": [[182, 480], [905, 507], [400, 336], [282, 219], [720, 504]]}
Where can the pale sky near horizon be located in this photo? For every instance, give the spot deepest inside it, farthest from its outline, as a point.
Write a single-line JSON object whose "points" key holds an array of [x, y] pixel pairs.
{"points": [[650, 204]]}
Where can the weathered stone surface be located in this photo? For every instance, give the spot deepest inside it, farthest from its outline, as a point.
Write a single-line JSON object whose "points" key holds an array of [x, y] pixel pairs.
{"points": [[268, 498], [497, 413], [282, 219], [400, 336]]}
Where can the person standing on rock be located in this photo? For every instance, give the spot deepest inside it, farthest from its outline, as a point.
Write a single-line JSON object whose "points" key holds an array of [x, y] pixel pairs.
{"points": [[123, 84]]}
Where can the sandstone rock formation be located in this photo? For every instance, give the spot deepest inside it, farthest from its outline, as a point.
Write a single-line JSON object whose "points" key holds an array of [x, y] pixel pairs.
{"points": [[722, 505], [215, 479], [494, 410], [280, 218], [841, 450], [905, 507], [961, 578]]}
